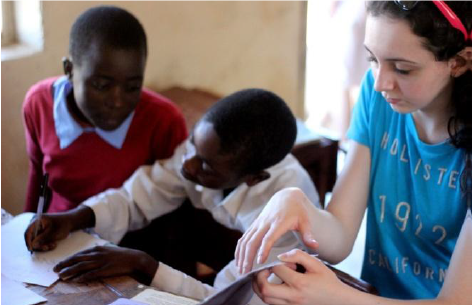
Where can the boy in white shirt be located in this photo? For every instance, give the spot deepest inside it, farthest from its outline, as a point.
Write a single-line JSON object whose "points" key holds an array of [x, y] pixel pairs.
{"points": [[241, 144]]}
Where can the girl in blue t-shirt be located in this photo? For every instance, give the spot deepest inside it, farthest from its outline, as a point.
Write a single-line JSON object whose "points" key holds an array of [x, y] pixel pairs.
{"points": [[409, 164]]}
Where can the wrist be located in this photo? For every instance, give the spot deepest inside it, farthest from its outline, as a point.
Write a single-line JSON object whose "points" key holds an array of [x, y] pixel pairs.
{"points": [[81, 218], [146, 266]]}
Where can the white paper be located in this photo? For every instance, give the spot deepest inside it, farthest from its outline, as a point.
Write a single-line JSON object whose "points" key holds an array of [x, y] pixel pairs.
{"points": [[154, 297], [14, 293], [20, 265], [122, 301]]}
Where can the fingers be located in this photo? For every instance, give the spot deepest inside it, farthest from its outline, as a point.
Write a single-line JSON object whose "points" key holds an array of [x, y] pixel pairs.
{"points": [[247, 247], [270, 293], [239, 245], [37, 242], [93, 275], [91, 255], [85, 265], [29, 235], [43, 237], [48, 235], [289, 291], [265, 299], [310, 263], [307, 235], [95, 263], [238, 257], [76, 269], [275, 232], [89, 270]]}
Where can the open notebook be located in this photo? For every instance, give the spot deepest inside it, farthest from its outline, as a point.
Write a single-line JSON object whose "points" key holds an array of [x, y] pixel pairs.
{"points": [[238, 293]]}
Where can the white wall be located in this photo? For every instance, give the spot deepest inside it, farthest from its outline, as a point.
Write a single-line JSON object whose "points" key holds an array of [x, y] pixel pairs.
{"points": [[216, 46]]}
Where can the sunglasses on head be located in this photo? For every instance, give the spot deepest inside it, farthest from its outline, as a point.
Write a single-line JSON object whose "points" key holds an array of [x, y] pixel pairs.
{"points": [[444, 9]]}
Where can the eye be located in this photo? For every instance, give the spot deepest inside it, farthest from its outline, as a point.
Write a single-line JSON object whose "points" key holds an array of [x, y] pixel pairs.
{"points": [[371, 59], [401, 71], [135, 86], [206, 167], [100, 84]]}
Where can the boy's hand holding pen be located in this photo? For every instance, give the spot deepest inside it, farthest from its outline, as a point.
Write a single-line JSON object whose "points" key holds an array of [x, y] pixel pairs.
{"points": [[39, 213], [46, 230]]}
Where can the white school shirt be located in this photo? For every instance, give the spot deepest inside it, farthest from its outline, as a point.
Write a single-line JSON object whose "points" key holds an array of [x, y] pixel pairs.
{"points": [[155, 190]]}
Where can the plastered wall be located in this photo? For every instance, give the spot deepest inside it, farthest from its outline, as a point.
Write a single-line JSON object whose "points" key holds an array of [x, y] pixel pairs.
{"points": [[216, 46]]}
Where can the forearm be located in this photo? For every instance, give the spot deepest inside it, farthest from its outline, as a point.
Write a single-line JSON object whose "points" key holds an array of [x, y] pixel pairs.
{"points": [[334, 240], [82, 217], [347, 206], [356, 297], [146, 195], [146, 267], [176, 282]]}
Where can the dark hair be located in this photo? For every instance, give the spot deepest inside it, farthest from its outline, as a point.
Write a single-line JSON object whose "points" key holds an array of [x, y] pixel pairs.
{"points": [[444, 41], [427, 22], [254, 125], [109, 26]]}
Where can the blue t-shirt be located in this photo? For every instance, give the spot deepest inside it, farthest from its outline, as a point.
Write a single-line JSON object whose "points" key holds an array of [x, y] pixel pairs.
{"points": [[415, 211]]}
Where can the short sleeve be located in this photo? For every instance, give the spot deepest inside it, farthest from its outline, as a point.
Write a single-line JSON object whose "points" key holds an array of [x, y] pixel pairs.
{"points": [[361, 116]]}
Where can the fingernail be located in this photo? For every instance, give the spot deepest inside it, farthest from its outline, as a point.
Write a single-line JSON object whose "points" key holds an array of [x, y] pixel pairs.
{"points": [[310, 238], [282, 256], [259, 259]]}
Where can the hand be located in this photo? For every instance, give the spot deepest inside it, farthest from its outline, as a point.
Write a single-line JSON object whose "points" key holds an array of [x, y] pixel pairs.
{"points": [[288, 209], [57, 226], [318, 285], [52, 228], [99, 262]]}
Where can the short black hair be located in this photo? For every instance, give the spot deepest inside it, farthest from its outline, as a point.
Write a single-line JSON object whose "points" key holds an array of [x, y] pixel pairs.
{"points": [[108, 25], [255, 126]]}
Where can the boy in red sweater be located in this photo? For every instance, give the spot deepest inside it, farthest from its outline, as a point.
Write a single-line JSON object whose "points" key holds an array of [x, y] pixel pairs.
{"points": [[92, 128]]}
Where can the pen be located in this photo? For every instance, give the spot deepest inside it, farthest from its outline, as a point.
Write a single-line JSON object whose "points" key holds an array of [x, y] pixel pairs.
{"points": [[39, 212]]}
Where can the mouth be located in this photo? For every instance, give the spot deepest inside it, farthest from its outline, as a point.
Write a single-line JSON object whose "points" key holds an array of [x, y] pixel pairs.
{"points": [[393, 101], [109, 123]]}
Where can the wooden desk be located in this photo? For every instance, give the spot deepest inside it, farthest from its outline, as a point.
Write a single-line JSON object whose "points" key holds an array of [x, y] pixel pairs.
{"points": [[98, 293]]}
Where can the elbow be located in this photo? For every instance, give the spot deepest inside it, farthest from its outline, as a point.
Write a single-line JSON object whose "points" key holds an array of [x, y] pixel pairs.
{"points": [[453, 299], [337, 258]]}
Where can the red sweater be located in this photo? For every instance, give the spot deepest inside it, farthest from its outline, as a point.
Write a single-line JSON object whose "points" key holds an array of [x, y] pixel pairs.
{"points": [[90, 165]]}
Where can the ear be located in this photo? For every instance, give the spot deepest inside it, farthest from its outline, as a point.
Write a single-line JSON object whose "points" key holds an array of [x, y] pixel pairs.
{"points": [[67, 66], [461, 62], [254, 179]]}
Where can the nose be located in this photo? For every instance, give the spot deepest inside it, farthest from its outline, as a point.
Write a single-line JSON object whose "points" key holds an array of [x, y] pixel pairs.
{"points": [[384, 81], [192, 165], [117, 98]]}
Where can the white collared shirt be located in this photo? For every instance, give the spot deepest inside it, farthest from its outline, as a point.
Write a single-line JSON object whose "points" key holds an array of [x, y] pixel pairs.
{"points": [[155, 190]]}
